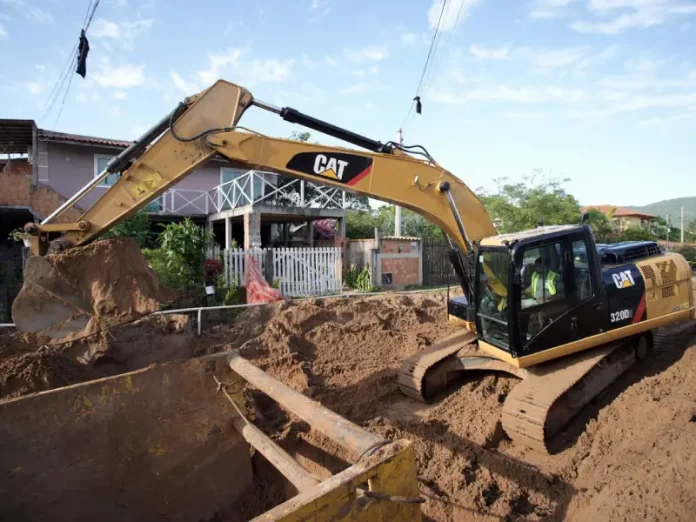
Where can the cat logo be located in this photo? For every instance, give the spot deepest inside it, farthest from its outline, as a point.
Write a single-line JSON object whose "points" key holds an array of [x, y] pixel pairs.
{"points": [[329, 167], [623, 279]]}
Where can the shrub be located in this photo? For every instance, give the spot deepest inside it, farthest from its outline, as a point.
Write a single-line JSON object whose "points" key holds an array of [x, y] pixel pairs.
{"points": [[137, 227], [359, 279], [212, 268], [185, 245]]}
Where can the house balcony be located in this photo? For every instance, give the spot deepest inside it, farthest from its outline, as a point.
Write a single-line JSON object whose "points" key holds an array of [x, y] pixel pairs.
{"points": [[248, 190]]}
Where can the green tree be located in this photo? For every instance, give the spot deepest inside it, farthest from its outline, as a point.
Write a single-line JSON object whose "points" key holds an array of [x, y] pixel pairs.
{"points": [[184, 246], [520, 206], [361, 224], [137, 227], [601, 225], [635, 234]]}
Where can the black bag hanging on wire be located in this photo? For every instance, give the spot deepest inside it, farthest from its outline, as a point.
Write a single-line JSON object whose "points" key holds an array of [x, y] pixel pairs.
{"points": [[83, 49]]}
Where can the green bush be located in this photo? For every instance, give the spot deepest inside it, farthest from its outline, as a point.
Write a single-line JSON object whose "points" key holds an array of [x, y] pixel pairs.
{"points": [[185, 245], [171, 277], [359, 279], [137, 227]]}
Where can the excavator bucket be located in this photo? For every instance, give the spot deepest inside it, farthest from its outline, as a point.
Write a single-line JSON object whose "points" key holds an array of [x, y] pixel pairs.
{"points": [[174, 442], [48, 304], [83, 290]]}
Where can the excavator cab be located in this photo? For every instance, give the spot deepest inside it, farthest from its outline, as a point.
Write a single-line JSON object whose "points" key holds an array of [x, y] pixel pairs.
{"points": [[532, 287]]}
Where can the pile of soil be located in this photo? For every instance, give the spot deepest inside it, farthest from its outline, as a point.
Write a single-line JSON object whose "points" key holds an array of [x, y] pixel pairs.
{"points": [[630, 456], [28, 368], [113, 284]]}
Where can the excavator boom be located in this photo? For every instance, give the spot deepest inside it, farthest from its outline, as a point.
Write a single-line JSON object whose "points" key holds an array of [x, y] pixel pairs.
{"points": [[204, 126]]}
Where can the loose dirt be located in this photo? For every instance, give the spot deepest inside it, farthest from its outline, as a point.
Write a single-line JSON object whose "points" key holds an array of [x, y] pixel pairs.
{"points": [[631, 455], [109, 282]]}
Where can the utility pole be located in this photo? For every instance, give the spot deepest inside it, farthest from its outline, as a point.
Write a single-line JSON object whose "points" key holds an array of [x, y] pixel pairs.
{"points": [[397, 210], [668, 227], [682, 225]]}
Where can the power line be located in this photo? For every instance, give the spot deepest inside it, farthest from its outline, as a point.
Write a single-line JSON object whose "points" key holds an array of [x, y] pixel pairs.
{"points": [[89, 15], [429, 76], [427, 59]]}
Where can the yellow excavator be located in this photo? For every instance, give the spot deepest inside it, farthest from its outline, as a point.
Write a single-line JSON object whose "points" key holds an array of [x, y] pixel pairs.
{"points": [[547, 305]]}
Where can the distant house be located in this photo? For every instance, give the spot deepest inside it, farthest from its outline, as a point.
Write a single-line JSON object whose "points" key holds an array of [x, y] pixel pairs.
{"points": [[623, 217], [40, 169]]}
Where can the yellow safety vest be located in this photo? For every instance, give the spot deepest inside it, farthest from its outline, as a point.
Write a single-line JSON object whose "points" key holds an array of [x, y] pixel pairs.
{"points": [[551, 278]]}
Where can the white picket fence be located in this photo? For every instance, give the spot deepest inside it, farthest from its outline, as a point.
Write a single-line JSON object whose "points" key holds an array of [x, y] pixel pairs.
{"points": [[300, 271]]}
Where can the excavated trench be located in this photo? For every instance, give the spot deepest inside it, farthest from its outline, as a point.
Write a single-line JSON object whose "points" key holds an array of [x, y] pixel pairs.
{"points": [[630, 456]]}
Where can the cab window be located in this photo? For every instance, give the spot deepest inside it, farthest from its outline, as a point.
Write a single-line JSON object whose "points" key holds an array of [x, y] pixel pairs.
{"points": [[543, 296]]}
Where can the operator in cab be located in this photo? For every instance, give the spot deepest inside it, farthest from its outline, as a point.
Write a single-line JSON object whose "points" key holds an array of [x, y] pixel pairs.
{"points": [[545, 282]]}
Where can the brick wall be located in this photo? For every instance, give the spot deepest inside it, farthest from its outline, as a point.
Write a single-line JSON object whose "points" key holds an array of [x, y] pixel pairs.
{"points": [[16, 191], [392, 246], [404, 270]]}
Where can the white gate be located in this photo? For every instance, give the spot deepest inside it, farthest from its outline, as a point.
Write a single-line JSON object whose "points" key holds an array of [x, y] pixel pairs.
{"points": [[300, 271], [308, 271], [234, 263]]}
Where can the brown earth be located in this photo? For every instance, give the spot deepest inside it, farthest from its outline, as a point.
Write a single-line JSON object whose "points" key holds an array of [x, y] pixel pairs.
{"points": [[630, 456], [114, 283]]}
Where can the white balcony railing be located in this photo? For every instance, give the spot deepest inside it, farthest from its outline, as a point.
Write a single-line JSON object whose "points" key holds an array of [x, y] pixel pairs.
{"points": [[250, 188]]}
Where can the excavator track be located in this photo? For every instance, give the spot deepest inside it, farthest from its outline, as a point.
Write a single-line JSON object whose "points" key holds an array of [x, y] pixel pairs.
{"points": [[427, 373], [412, 374], [552, 394]]}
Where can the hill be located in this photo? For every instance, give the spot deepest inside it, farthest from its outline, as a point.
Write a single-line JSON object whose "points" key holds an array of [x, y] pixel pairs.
{"points": [[673, 206]]}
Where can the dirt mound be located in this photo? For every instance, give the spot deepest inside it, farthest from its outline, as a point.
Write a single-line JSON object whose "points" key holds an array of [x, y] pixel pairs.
{"points": [[630, 456], [28, 368], [24, 369], [88, 288]]}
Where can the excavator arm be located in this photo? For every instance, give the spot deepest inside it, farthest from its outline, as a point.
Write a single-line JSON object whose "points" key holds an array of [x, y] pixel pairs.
{"points": [[206, 126]]}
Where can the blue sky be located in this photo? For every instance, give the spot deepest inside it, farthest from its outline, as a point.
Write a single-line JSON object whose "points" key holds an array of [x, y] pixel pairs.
{"points": [[599, 91]]}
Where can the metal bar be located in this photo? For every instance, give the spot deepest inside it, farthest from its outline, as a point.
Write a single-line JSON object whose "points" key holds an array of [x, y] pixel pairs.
{"points": [[341, 430], [295, 116], [445, 187], [266, 106], [116, 164], [200, 313], [277, 456], [7, 325]]}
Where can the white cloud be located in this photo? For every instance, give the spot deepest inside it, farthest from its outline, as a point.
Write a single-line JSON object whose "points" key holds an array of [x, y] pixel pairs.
{"points": [[126, 32], [185, 87], [561, 57], [369, 71], [121, 76], [218, 61], [308, 63], [543, 15], [39, 15], [490, 53], [330, 61], [120, 95], [504, 93], [360, 88], [370, 53], [456, 11], [658, 101], [33, 88], [40, 67], [101, 28], [634, 14], [408, 38], [3, 33], [270, 70]]}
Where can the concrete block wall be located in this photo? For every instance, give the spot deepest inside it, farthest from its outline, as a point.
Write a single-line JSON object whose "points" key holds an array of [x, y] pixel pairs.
{"points": [[16, 191]]}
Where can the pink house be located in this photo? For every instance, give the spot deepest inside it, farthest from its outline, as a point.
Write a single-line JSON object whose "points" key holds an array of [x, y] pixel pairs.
{"points": [[40, 169]]}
